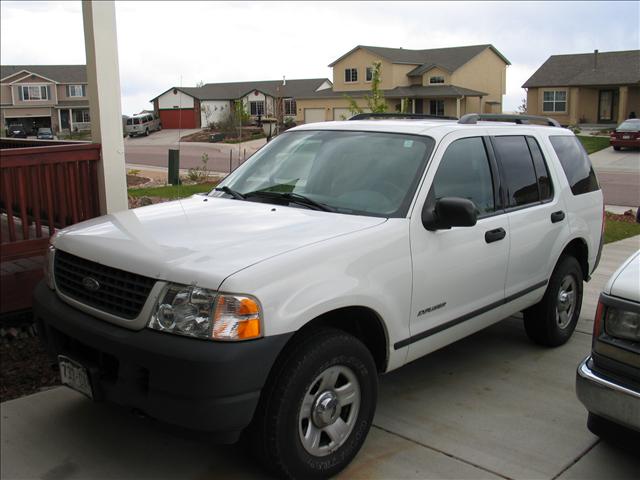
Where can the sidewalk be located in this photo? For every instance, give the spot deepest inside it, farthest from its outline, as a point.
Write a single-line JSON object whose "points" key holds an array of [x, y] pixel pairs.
{"points": [[490, 406]]}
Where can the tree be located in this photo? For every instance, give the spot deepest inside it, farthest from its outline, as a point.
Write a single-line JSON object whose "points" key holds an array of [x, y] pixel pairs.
{"points": [[375, 102], [522, 108], [200, 84]]}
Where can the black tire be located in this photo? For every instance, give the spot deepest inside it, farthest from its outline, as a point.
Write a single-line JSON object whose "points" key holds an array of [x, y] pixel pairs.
{"points": [[277, 430], [617, 148], [146, 132], [547, 323]]}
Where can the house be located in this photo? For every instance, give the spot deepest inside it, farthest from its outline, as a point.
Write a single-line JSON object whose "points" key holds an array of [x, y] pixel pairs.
{"points": [[195, 107], [37, 96], [586, 88], [441, 81]]}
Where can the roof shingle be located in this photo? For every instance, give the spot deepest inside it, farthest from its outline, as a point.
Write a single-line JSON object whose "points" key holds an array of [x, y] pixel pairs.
{"points": [[450, 58], [611, 68], [58, 73]]}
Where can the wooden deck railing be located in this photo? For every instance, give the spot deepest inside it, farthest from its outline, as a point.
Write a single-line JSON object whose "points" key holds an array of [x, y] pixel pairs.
{"points": [[42, 189]]}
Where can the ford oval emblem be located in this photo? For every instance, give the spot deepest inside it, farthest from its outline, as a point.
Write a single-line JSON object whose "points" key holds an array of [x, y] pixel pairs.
{"points": [[90, 284]]}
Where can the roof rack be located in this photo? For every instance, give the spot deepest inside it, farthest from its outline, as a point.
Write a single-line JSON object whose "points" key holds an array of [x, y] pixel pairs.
{"points": [[366, 116], [472, 118]]}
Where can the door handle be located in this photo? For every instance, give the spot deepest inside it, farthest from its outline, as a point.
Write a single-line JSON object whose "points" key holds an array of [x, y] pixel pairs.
{"points": [[557, 216], [494, 235]]}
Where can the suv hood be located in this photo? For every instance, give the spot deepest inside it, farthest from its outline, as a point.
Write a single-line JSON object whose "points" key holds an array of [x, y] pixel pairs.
{"points": [[625, 282], [201, 239]]}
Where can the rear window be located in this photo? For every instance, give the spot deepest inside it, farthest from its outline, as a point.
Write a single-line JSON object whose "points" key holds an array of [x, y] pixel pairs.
{"points": [[575, 163], [129, 121], [629, 126]]}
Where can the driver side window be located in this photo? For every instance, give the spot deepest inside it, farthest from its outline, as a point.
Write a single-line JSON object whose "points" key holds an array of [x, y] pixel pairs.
{"points": [[464, 172]]}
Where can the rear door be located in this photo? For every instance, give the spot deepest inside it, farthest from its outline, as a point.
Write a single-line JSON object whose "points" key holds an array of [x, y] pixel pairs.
{"points": [[537, 216], [458, 274]]}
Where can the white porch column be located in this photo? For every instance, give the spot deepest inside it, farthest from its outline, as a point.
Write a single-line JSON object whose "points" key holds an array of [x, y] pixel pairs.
{"points": [[101, 45], [458, 107]]}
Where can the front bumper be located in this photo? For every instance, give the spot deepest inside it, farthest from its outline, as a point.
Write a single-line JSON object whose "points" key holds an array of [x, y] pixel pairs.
{"points": [[197, 384], [607, 398]]}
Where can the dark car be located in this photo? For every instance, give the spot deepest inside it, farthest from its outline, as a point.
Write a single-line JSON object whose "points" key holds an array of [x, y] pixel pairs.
{"points": [[627, 134], [16, 131], [608, 380], [45, 133]]}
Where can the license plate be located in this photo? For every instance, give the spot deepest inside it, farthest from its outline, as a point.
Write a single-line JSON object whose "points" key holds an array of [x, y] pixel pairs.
{"points": [[626, 137], [75, 376]]}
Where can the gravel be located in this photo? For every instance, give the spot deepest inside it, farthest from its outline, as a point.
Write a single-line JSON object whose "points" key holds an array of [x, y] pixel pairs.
{"points": [[25, 367]]}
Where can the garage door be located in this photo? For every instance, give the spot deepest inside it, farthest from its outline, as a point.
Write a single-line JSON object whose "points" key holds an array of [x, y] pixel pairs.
{"points": [[313, 115], [342, 114], [184, 118]]}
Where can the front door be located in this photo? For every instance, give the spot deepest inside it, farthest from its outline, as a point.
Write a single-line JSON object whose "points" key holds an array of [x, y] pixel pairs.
{"points": [[458, 274], [606, 105], [64, 118]]}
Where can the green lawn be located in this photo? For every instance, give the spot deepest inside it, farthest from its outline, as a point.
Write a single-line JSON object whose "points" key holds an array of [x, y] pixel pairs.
{"points": [[593, 144], [615, 230], [172, 191]]}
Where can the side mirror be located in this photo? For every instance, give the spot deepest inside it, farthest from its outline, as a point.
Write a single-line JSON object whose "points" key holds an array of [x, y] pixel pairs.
{"points": [[449, 212]]}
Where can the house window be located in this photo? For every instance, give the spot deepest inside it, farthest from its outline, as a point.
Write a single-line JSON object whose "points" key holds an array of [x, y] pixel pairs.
{"points": [[351, 75], [256, 108], [289, 106], [436, 107], [554, 101], [81, 116], [76, 91], [34, 92], [436, 79], [369, 74]]}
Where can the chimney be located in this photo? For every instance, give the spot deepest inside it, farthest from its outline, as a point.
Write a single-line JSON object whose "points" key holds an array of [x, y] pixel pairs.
{"points": [[284, 81], [595, 59]]}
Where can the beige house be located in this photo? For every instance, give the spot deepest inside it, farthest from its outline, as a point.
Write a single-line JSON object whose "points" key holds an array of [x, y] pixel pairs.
{"points": [[37, 96], [442, 81], [588, 88]]}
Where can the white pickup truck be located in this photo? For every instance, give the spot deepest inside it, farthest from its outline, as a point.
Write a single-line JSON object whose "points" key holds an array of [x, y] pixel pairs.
{"points": [[339, 251]]}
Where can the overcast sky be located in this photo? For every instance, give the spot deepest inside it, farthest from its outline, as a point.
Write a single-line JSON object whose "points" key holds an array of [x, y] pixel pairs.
{"points": [[165, 44]]}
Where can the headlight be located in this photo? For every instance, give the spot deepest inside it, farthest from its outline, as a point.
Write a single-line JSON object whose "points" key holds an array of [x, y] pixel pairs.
{"points": [[203, 313], [47, 267], [622, 324]]}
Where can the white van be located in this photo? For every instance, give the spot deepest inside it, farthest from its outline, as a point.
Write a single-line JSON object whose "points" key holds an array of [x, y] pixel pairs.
{"points": [[143, 124]]}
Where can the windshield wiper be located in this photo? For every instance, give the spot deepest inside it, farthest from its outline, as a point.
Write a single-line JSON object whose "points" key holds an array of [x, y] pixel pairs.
{"points": [[292, 198], [229, 191]]}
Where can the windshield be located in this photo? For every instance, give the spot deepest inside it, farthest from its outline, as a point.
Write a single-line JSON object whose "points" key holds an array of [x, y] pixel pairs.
{"points": [[629, 126], [364, 173]]}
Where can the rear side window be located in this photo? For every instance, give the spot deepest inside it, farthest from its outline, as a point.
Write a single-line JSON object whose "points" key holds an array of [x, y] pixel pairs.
{"points": [[542, 172], [575, 163], [464, 172], [519, 173]]}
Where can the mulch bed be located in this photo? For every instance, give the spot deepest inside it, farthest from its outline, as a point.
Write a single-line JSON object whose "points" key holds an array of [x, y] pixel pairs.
{"points": [[628, 216], [25, 367], [135, 180]]}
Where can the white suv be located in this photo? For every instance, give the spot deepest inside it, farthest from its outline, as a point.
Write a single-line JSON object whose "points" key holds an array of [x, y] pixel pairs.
{"points": [[339, 251]]}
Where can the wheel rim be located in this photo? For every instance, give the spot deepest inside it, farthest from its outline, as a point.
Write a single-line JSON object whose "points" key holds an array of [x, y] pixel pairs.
{"points": [[566, 301], [329, 410]]}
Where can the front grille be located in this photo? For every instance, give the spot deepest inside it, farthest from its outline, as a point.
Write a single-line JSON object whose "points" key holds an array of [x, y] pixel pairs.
{"points": [[120, 293]]}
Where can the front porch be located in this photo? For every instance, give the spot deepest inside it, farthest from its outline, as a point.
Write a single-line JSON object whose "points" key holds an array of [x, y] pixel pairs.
{"points": [[441, 101]]}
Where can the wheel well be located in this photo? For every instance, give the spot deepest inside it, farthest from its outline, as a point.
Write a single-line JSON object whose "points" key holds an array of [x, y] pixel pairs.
{"points": [[578, 249], [361, 322]]}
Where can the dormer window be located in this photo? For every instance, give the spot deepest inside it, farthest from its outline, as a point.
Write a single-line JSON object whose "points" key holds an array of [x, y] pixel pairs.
{"points": [[436, 79], [350, 75]]}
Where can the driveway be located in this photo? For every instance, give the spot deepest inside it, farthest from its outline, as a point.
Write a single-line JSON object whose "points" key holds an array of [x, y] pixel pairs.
{"points": [[619, 175], [490, 406], [154, 151]]}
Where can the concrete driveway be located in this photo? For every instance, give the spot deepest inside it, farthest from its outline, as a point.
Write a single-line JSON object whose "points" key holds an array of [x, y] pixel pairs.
{"points": [[619, 175], [490, 406]]}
